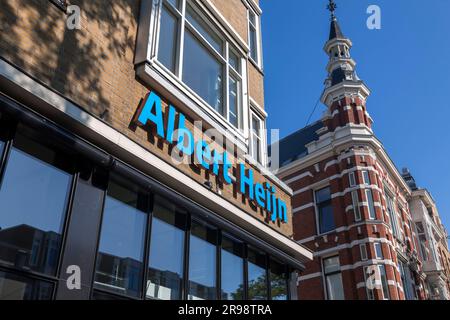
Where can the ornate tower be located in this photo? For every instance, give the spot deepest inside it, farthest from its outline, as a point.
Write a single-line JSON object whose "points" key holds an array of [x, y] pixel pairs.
{"points": [[345, 94]]}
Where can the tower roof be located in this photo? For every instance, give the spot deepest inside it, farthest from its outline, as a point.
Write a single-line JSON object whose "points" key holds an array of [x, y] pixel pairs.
{"points": [[335, 30]]}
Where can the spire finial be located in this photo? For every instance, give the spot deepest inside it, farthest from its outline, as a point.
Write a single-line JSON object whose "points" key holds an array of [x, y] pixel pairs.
{"points": [[332, 8]]}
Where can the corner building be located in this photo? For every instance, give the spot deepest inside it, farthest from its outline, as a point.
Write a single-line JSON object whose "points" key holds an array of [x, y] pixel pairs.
{"points": [[88, 185], [350, 203]]}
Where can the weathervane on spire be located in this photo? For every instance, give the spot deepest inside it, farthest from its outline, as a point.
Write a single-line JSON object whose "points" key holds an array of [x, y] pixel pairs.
{"points": [[332, 7]]}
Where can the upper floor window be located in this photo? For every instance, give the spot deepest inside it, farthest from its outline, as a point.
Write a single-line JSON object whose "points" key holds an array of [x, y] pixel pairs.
{"points": [[199, 56], [370, 204], [324, 210], [253, 36], [366, 177], [257, 147]]}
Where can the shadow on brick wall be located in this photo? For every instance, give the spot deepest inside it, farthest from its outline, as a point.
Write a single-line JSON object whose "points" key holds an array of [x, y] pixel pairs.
{"points": [[85, 65]]}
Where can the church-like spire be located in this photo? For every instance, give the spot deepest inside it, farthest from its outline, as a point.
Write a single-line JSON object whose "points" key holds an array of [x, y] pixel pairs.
{"points": [[342, 84], [335, 30]]}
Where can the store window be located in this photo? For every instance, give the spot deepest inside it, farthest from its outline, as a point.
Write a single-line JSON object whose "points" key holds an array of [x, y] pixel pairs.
{"points": [[257, 275], [257, 148], [278, 281], [15, 287], [201, 57], [232, 269], [324, 210], [254, 30], [202, 262], [34, 194], [120, 256], [166, 260], [333, 278]]}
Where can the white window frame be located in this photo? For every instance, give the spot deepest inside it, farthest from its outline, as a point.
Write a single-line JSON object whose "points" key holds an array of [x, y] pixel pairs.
{"points": [[352, 179], [369, 198], [363, 251], [153, 72], [366, 181], [257, 28], [356, 208], [375, 246], [262, 139]]}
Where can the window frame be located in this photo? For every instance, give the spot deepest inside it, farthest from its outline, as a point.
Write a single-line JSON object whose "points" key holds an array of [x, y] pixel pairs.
{"points": [[370, 204], [363, 249], [352, 179], [228, 45], [356, 208], [317, 209], [261, 138], [377, 245], [8, 134], [326, 274], [257, 29]]}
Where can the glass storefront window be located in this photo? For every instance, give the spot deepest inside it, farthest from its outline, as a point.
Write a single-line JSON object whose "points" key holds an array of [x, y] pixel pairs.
{"points": [[278, 281], [232, 269], [122, 240], [202, 262], [15, 287], [33, 200], [257, 275], [165, 273]]}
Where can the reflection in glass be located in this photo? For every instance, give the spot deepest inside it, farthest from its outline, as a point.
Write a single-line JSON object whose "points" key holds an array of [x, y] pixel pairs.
{"points": [[278, 281], [122, 238], [15, 287], [232, 269], [165, 273], [167, 39], [257, 275], [1, 148], [203, 29], [202, 72], [233, 97], [33, 200], [202, 262]]}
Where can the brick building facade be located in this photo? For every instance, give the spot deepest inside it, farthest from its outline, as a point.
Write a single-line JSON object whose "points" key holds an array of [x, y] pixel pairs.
{"points": [[86, 113], [350, 203]]}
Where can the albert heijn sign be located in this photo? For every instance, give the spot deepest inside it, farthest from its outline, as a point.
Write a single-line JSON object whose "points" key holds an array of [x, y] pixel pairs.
{"points": [[171, 127]]}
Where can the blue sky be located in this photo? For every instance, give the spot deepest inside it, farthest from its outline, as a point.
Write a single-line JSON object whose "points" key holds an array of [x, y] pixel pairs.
{"points": [[406, 64]]}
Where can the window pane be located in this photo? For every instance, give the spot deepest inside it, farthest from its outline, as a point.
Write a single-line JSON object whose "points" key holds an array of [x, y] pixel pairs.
{"points": [[33, 201], [202, 72], [278, 281], [233, 97], [166, 252], [378, 251], [203, 29], [232, 270], [202, 262], [323, 195], [384, 283], [366, 177], [15, 287], [1, 148], [326, 218], [335, 289], [331, 264], [371, 204], [233, 60], [257, 276], [253, 44], [121, 249], [167, 39]]}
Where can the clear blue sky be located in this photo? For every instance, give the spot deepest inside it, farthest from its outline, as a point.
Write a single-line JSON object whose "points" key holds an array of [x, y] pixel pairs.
{"points": [[406, 64]]}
